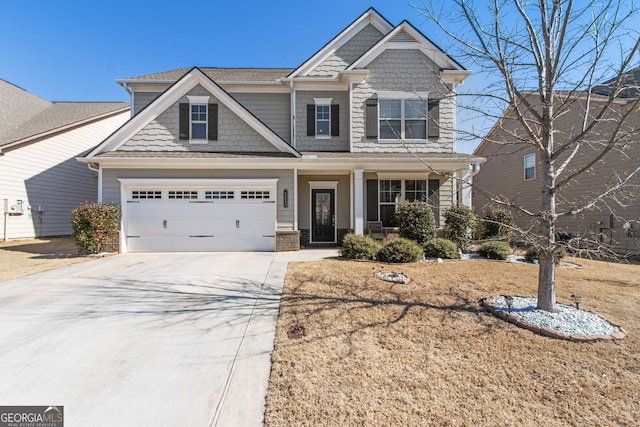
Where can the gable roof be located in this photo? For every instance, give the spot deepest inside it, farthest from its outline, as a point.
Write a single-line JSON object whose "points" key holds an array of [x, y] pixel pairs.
{"points": [[406, 35], [629, 86], [219, 75], [17, 106], [370, 16], [24, 116], [177, 90]]}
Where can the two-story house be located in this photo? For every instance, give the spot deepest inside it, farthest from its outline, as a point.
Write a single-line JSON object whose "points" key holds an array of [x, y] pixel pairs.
{"points": [[270, 159]]}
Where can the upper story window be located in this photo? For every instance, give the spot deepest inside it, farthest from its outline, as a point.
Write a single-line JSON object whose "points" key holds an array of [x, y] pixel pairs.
{"points": [[403, 119], [323, 118], [198, 120], [323, 123], [529, 167], [395, 116]]}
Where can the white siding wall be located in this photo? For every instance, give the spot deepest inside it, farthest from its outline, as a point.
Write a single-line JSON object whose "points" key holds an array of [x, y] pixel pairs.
{"points": [[47, 173]]}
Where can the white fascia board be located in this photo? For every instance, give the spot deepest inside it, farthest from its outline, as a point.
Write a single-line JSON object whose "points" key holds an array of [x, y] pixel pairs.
{"points": [[66, 128], [310, 163], [369, 17], [421, 42], [172, 95]]}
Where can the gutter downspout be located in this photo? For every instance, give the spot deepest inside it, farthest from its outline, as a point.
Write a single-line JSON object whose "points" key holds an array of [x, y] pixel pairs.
{"points": [[467, 181], [293, 114], [130, 92], [99, 171]]}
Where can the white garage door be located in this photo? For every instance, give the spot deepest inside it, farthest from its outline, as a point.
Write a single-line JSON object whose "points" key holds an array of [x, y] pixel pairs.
{"points": [[200, 218]]}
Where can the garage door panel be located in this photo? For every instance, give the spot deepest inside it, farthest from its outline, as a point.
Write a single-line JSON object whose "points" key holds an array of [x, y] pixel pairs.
{"points": [[168, 225]]}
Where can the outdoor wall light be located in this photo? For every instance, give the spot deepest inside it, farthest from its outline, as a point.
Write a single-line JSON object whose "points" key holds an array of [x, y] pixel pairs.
{"points": [[285, 198], [577, 299], [509, 300]]}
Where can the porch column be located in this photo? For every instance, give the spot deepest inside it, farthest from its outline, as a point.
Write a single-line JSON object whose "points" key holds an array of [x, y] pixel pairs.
{"points": [[358, 201]]}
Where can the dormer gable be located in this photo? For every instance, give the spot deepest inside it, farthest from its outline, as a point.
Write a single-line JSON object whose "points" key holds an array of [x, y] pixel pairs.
{"points": [[360, 32], [194, 79]]}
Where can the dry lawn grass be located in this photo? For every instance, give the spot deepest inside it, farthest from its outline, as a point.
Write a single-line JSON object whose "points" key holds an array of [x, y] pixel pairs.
{"points": [[20, 258], [379, 354]]}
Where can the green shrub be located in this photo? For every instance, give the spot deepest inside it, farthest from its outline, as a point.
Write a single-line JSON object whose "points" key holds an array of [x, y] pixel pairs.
{"points": [[498, 224], [400, 251], [495, 250], [533, 253], [460, 225], [415, 221], [358, 247], [95, 227], [440, 248]]}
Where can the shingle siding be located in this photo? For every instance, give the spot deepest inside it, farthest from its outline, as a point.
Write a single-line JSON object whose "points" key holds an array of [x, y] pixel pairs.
{"points": [[403, 70], [349, 52], [162, 133]]}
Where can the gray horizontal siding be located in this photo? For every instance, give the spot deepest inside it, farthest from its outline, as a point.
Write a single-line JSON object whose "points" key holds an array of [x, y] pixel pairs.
{"points": [[273, 109], [142, 99]]}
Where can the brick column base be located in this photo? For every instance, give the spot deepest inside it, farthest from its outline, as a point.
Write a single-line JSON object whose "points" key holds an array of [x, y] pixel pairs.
{"points": [[287, 241]]}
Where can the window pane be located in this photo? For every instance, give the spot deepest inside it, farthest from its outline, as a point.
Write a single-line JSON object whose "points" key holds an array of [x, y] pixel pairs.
{"points": [[421, 185], [198, 131], [415, 109], [390, 191], [529, 160], [410, 185], [529, 173], [386, 215], [415, 129], [322, 127], [390, 109], [390, 129], [194, 108]]}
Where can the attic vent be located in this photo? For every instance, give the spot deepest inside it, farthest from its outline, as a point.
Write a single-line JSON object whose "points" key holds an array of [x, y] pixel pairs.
{"points": [[402, 37]]}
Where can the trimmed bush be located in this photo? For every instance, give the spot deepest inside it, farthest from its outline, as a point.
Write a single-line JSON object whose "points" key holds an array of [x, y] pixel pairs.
{"points": [[460, 225], [400, 251], [495, 250], [440, 248], [415, 221], [498, 224], [358, 247], [533, 253], [95, 227]]}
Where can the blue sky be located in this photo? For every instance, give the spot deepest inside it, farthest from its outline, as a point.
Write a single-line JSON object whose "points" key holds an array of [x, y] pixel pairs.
{"points": [[75, 50]]}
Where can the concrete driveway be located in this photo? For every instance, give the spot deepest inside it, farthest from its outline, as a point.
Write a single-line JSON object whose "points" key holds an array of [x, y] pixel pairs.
{"points": [[145, 339]]}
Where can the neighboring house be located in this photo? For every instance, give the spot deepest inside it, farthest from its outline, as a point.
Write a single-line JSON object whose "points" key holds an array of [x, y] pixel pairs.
{"points": [[511, 171], [41, 181], [269, 159]]}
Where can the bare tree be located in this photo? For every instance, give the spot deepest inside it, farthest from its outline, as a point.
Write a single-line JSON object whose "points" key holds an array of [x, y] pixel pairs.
{"points": [[544, 59]]}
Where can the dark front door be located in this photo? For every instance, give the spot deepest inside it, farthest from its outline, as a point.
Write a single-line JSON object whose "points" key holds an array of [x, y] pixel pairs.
{"points": [[323, 216]]}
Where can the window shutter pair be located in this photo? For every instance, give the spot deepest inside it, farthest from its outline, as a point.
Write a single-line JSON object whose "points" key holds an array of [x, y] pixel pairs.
{"points": [[212, 121], [311, 120], [433, 118]]}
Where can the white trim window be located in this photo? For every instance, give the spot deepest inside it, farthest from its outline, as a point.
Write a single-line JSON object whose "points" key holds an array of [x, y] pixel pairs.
{"points": [[530, 167], [393, 192], [198, 119], [323, 117], [403, 119]]}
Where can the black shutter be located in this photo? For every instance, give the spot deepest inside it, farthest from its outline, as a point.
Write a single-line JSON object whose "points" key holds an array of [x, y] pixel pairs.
{"points": [[434, 199], [311, 119], [184, 121], [372, 118], [372, 200], [434, 118], [335, 120], [212, 122]]}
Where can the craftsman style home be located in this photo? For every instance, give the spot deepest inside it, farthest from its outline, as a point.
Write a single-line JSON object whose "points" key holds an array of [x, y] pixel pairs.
{"points": [[219, 159]]}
